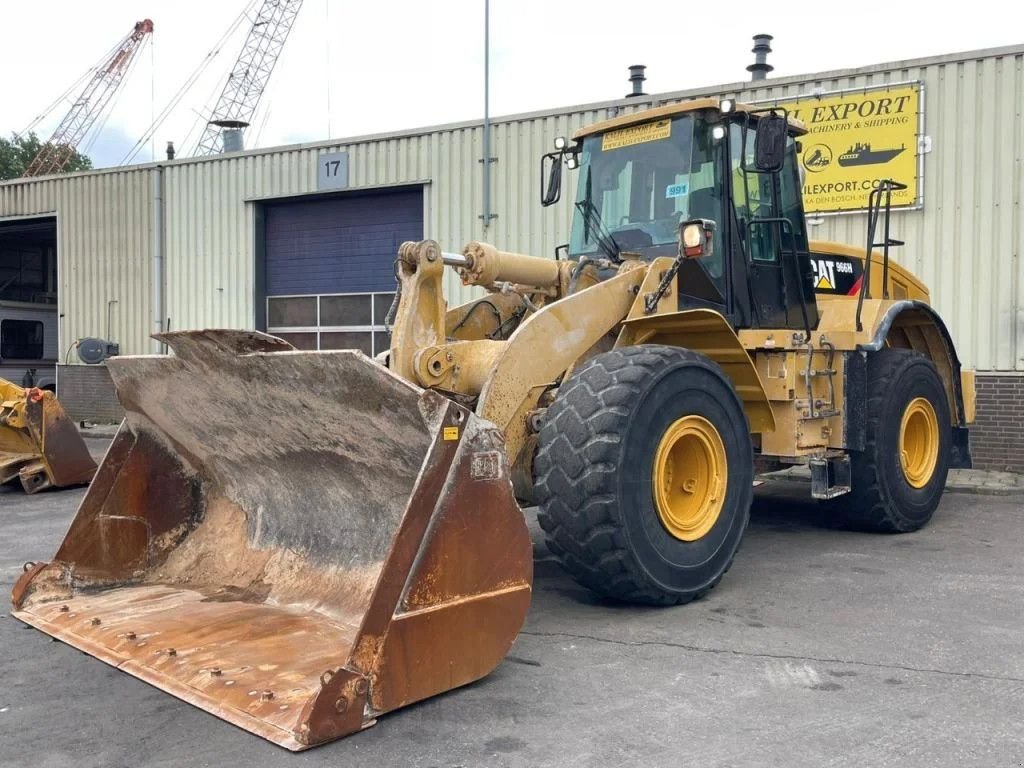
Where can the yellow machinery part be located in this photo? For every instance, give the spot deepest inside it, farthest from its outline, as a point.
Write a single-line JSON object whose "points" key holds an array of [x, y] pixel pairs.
{"points": [[919, 442], [39, 444], [690, 474]]}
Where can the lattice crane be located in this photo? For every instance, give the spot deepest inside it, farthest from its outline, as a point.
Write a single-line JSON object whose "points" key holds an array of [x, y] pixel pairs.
{"points": [[90, 104], [249, 77]]}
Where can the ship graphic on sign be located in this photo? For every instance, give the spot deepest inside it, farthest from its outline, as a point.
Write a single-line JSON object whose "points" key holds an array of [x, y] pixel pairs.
{"points": [[863, 154]]}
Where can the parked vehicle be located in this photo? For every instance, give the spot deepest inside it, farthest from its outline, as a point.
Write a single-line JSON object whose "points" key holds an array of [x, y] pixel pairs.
{"points": [[28, 344]]}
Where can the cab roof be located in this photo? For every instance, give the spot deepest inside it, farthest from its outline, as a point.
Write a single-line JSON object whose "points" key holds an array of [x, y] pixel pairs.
{"points": [[671, 110]]}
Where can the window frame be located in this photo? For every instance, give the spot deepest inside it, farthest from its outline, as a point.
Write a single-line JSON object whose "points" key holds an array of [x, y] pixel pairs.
{"points": [[375, 331], [38, 329]]}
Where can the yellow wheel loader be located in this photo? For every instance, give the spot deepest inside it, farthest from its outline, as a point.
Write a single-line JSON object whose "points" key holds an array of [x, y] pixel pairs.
{"points": [[299, 542], [40, 447]]}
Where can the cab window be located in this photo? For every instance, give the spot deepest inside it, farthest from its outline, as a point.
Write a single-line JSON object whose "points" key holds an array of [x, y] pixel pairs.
{"points": [[637, 185], [752, 199]]}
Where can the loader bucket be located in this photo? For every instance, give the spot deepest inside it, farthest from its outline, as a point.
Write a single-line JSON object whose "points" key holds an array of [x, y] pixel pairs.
{"points": [[39, 444], [296, 542]]}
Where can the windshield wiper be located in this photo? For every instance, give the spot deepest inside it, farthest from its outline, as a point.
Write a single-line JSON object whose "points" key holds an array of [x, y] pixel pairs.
{"points": [[592, 224]]}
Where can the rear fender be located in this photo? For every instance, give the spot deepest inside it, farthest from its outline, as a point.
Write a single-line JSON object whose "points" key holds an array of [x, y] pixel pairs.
{"points": [[915, 325]]}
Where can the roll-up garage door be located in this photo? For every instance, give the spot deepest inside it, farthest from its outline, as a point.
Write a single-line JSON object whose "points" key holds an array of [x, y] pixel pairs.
{"points": [[330, 266]]}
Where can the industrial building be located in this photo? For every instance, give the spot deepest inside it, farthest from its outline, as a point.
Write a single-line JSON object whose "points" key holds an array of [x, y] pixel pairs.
{"points": [[300, 240]]}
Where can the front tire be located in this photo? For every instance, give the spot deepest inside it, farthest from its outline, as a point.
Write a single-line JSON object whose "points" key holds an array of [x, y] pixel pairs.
{"points": [[898, 479], [644, 474]]}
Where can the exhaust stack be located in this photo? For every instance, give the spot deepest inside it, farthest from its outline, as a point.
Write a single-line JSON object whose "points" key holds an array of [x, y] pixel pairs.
{"points": [[637, 78], [762, 47], [232, 134]]}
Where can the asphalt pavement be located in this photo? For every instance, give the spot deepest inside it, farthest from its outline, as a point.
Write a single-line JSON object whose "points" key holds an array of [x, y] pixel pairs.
{"points": [[820, 648]]}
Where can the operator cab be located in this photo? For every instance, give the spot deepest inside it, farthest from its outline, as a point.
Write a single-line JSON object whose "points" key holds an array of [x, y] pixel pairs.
{"points": [[731, 171]]}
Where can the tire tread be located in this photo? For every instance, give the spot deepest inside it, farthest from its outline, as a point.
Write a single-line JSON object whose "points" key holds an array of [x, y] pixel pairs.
{"points": [[582, 520]]}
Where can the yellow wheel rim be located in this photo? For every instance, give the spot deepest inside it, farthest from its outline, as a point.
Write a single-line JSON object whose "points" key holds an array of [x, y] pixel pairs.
{"points": [[919, 442], [689, 478]]}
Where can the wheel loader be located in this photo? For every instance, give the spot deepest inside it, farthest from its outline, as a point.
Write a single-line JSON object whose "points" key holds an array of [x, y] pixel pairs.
{"points": [[40, 447], [299, 542]]}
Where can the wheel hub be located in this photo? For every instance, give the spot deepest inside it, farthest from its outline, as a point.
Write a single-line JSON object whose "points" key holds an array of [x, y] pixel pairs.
{"points": [[919, 442], [689, 478]]}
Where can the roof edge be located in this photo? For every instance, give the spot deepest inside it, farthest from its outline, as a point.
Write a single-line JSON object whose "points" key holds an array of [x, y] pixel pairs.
{"points": [[654, 100]]}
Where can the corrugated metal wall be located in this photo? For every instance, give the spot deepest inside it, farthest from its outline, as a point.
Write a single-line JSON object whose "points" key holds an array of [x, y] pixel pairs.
{"points": [[964, 244], [104, 240]]}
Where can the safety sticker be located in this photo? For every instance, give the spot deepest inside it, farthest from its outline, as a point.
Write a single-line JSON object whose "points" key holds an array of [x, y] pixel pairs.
{"points": [[677, 190], [636, 134], [451, 433]]}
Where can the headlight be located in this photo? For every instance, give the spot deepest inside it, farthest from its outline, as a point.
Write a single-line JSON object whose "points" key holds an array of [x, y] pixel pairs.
{"points": [[725, 106], [693, 236], [697, 238], [561, 143], [572, 162]]}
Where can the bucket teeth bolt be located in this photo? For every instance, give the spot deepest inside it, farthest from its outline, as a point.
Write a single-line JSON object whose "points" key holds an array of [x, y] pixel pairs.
{"points": [[130, 636], [362, 686], [172, 652], [95, 622], [64, 609], [341, 705], [266, 696], [215, 672]]}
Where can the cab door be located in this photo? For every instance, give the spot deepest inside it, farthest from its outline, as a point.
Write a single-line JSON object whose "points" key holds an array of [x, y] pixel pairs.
{"points": [[772, 236]]}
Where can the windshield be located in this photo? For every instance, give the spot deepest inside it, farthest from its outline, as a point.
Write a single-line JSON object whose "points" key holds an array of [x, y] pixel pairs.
{"points": [[637, 185]]}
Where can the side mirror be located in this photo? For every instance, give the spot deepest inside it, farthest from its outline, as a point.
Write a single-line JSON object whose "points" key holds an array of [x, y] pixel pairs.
{"points": [[551, 178], [770, 143]]}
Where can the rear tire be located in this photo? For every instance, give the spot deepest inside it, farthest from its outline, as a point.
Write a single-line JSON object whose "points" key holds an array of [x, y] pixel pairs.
{"points": [[894, 490], [615, 426]]}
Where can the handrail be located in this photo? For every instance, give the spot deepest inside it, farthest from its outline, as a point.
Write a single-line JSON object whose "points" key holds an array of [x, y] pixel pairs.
{"points": [[884, 190]]}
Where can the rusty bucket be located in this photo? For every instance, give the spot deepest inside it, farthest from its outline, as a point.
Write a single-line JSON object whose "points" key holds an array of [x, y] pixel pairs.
{"points": [[296, 542], [39, 445]]}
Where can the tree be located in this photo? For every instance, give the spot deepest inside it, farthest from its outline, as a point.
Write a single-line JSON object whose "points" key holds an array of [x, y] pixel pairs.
{"points": [[17, 152]]}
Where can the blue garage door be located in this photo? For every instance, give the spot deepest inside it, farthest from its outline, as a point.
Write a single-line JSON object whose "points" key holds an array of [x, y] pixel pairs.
{"points": [[330, 267]]}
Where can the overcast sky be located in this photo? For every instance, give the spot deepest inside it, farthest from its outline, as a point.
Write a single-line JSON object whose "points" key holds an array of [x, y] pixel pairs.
{"points": [[353, 68]]}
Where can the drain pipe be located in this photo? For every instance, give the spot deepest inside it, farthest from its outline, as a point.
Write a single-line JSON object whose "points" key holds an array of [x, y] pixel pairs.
{"points": [[157, 265]]}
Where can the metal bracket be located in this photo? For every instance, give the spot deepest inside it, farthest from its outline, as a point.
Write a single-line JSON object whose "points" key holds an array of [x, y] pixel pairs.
{"points": [[830, 476]]}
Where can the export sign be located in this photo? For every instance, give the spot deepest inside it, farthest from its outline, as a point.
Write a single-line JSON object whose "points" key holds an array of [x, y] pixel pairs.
{"points": [[854, 140]]}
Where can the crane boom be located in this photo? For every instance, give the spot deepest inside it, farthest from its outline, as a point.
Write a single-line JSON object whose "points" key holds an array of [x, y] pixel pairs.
{"points": [[251, 72], [58, 151]]}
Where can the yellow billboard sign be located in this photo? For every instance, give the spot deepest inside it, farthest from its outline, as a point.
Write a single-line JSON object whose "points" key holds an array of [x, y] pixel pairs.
{"points": [[855, 139]]}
